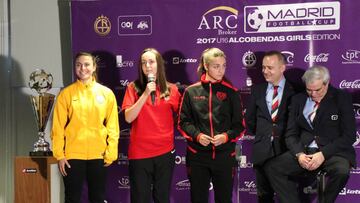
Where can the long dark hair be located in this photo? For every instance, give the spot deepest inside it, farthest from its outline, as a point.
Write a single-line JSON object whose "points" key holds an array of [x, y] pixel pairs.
{"points": [[141, 82]]}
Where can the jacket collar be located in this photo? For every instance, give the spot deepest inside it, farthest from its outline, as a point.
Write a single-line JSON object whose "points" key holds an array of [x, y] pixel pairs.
{"points": [[222, 82], [88, 85]]}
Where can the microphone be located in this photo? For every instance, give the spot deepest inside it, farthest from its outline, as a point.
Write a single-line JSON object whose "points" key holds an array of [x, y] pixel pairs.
{"points": [[151, 78]]}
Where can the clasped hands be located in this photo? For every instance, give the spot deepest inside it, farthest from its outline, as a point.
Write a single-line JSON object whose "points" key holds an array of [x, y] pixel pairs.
{"points": [[312, 161], [217, 140]]}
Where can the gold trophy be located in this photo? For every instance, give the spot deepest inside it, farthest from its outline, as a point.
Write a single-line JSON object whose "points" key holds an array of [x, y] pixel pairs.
{"points": [[42, 105]]}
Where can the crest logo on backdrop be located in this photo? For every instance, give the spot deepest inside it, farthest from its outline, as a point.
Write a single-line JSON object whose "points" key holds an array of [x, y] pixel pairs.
{"points": [[249, 59], [102, 25]]}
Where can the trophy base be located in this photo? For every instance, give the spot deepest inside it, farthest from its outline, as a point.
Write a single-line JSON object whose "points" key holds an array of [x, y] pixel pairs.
{"points": [[40, 153]]}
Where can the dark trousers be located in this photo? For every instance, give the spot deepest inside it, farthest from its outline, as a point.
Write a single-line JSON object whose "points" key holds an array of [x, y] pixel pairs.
{"points": [[94, 172], [286, 165], [221, 175], [151, 174], [265, 192]]}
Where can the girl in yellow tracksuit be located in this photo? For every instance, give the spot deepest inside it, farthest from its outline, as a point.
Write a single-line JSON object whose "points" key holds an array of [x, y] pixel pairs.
{"points": [[85, 132]]}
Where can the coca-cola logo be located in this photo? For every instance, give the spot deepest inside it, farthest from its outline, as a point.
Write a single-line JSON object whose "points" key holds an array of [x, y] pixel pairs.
{"points": [[320, 58], [350, 84]]}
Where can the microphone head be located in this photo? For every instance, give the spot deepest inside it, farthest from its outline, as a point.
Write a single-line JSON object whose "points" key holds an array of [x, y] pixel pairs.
{"points": [[151, 77]]}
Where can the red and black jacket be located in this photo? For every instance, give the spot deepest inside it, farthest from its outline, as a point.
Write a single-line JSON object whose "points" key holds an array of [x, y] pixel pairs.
{"points": [[211, 109]]}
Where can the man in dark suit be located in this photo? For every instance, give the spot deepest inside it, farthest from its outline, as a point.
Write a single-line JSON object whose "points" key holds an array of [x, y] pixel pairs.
{"points": [[266, 118], [320, 134]]}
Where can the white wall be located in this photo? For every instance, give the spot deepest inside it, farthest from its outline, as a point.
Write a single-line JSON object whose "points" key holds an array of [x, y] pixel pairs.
{"points": [[5, 109], [33, 34]]}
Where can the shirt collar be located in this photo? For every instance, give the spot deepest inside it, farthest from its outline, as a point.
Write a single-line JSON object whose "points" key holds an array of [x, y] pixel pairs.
{"points": [[281, 84]]}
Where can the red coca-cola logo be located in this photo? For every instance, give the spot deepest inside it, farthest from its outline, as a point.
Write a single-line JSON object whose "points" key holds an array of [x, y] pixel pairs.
{"points": [[350, 84], [320, 58]]}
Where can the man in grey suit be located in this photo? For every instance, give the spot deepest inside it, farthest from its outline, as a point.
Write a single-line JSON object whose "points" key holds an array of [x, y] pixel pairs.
{"points": [[320, 134], [266, 118]]}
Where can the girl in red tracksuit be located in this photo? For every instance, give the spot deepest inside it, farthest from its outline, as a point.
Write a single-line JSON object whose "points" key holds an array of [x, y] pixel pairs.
{"points": [[211, 120], [151, 149]]}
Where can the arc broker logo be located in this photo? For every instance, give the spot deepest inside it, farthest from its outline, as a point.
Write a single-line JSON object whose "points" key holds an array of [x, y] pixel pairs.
{"points": [[292, 17], [222, 19], [289, 57]]}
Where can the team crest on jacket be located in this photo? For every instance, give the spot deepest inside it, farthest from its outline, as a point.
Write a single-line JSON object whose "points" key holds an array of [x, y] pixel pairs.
{"points": [[100, 99], [221, 95]]}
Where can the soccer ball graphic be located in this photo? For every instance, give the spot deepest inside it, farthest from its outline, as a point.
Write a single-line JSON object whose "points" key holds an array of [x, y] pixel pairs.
{"points": [[40, 81], [255, 19]]}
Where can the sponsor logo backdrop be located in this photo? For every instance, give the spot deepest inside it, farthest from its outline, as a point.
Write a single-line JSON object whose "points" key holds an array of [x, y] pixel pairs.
{"points": [[306, 32]]}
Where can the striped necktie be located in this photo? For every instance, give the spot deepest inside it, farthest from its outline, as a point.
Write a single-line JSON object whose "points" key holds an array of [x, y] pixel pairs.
{"points": [[313, 113], [275, 104]]}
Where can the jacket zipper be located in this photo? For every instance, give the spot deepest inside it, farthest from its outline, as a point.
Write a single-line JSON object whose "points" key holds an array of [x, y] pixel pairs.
{"points": [[210, 119]]}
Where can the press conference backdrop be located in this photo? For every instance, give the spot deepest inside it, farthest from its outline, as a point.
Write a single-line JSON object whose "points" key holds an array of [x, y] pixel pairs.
{"points": [[306, 32]]}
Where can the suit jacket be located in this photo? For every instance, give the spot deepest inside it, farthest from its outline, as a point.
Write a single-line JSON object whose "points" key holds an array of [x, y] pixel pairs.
{"points": [[259, 123], [334, 126]]}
